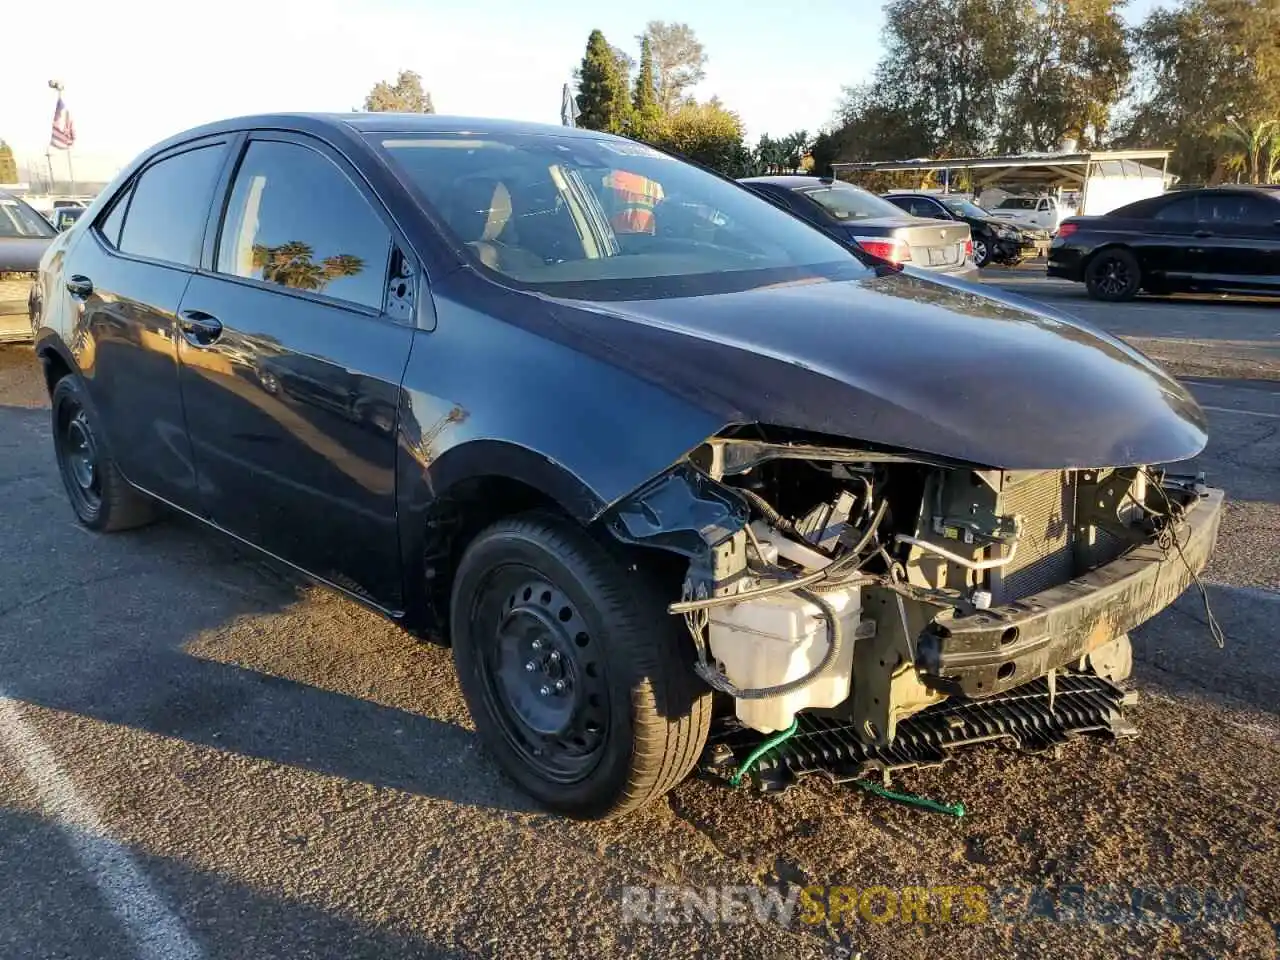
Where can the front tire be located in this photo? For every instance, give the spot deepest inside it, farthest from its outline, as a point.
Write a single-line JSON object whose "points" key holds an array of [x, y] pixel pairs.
{"points": [[576, 676], [101, 497], [1113, 275], [981, 252]]}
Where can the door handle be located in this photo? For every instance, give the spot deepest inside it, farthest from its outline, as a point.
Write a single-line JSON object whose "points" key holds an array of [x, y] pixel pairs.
{"points": [[199, 328], [80, 286], [1203, 233]]}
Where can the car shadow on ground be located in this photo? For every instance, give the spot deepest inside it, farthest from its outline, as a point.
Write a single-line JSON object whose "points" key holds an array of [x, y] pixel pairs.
{"points": [[1176, 651], [58, 911], [102, 626]]}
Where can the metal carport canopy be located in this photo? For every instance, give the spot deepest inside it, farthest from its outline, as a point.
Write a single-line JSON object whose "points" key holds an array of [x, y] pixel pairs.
{"points": [[1069, 170]]}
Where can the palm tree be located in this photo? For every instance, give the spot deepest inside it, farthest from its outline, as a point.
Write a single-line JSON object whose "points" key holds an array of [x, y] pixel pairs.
{"points": [[293, 264], [1251, 141]]}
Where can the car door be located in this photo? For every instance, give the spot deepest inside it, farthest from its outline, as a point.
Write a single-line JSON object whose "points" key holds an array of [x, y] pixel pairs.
{"points": [[293, 347], [125, 278], [1243, 249], [1172, 244]]}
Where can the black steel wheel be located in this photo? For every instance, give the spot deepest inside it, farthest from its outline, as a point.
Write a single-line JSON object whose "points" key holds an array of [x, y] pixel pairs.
{"points": [[543, 676], [1113, 275], [100, 496], [579, 683]]}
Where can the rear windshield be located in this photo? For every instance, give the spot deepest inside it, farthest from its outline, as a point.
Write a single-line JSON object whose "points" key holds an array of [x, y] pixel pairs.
{"points": [[17, 220], [1018, 203], [847, 202], [587, 217]]}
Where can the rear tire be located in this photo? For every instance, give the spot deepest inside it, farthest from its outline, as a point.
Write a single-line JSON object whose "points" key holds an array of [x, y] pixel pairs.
{"points": [[102, 498], [577, 678], [1113, 275]]}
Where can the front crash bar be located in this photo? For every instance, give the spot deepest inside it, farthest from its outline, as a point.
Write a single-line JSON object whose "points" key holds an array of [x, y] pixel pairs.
{"points": [[990, 651]]}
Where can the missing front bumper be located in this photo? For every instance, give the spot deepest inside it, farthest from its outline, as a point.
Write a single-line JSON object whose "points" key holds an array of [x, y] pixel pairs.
{"points": [[991, 651], [1029, 718]]}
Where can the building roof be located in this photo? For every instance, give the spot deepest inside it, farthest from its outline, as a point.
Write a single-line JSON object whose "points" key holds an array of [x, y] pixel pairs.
{"points": [[1008, 160]]}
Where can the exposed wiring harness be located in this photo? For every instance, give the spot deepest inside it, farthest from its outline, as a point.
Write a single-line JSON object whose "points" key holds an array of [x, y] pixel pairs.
{"points": [[1167, 540], [829, 572]]}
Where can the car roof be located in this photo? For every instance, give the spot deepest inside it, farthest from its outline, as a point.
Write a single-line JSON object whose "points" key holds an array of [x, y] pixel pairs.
{"points": [[794, 181], [384, 123]]}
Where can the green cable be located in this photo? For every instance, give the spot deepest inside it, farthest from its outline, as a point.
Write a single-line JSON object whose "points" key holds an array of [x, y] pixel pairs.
{"points": [[954, 809], [753, 757]]}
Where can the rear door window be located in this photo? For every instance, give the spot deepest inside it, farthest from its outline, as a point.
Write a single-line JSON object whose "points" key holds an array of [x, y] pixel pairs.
{"points": [[297, 221], [166, 217], [1238, 210], [1180, 210], [110, 225]]}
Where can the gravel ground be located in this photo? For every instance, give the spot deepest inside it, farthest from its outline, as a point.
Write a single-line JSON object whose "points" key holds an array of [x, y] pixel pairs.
{"points": [[203, 757]]}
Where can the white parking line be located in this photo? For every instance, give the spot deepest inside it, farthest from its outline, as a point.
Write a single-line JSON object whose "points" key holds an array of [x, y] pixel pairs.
{"points": [[157, 932], [1243, 413]]}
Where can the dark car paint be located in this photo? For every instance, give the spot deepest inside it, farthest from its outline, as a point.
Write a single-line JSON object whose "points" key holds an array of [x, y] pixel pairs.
{"points": [[1178, 254], [281, 434]]}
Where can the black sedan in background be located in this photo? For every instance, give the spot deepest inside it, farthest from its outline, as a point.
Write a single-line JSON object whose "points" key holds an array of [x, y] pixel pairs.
{"points": [[994, 241], [1214, 239], [535, 390], [850, 213]]}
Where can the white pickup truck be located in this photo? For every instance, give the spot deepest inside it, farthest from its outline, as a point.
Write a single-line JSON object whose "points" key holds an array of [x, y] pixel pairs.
{"points": [[1042, 212]]}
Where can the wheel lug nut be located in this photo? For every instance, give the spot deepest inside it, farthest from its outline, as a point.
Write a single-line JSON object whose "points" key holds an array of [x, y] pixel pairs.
{"points": [[536, 644], [554, 656], [544, 691], [530, 667], [559, 686]]}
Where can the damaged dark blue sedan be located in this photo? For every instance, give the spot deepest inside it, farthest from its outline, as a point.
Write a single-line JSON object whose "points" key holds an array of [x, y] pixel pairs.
{"points": [[658, 460]]}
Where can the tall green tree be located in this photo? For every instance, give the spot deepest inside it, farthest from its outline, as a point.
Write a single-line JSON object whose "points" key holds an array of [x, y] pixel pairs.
{"points": [[678, 60], [947, 64], [404, 96], [1201, 64], [1073, 67], [602, 88], [8, 166], [646, 92]]}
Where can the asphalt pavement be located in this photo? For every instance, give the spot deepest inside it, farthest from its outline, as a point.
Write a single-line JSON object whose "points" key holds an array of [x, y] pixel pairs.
{"points": [[201, 757]]}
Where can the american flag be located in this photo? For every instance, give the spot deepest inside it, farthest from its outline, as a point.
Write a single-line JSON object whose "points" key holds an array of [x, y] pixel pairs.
{"points": [[64, 131]]}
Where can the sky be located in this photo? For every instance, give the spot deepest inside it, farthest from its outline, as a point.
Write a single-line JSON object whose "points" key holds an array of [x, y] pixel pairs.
{"points": [[153, 68]]}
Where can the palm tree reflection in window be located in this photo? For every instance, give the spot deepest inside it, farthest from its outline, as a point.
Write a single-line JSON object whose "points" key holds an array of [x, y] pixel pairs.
{"points": [[293, 264]]}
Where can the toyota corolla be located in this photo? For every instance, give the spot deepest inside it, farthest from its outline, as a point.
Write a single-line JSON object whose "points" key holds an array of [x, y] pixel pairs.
{"points": [[655, 457]]}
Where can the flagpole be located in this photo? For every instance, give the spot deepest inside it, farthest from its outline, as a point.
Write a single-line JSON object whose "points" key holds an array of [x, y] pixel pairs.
{"points": [[48, 159], [71, 172]]}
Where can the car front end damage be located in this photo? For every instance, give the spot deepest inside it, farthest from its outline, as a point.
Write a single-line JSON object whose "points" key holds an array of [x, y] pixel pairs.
{"points": [[882, 606]]}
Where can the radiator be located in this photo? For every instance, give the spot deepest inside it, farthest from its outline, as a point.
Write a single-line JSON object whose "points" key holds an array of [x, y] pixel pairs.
{"points": [[1046, 502]]}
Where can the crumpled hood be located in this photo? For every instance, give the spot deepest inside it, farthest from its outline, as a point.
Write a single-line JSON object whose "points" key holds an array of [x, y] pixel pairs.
{"points": [[936, 366]]}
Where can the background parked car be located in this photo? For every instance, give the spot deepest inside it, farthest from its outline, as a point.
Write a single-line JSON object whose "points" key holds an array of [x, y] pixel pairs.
{"points": [[63, 218], [850, 213], [24, 235], [1217, 238], [994, 241], [1042, 212]]}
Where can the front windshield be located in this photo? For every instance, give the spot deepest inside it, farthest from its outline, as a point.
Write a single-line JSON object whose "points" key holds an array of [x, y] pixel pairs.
{"points": [[551, 211], [962, 207], [1017, 203], [847, 202], [18, 221]]}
